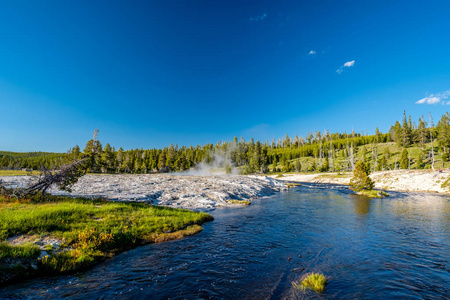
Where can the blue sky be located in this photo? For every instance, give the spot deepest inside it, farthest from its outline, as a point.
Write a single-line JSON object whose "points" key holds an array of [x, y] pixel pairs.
{"points": [[151, 73]]}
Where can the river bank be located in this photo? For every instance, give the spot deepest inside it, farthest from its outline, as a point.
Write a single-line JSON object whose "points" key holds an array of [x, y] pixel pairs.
{"points": [[398, 180], [48, 235]]}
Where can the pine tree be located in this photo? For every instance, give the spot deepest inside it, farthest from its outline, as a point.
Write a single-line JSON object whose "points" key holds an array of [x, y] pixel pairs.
{"points": [[297, 165], [443, 137], [406, 132], [108, 159], [377, 135], [420, 161], [171, 157], [361, 180], [73, 154], [274, 164], [430, 125], [396, 133], [119, 160], [404, 161], [93, 151], [422, 133], [383, 162], [364, 154], [162, 162]]}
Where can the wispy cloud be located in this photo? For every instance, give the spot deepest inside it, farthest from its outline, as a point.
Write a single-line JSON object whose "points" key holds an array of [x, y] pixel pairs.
{"points": [[258, 18], [346, 65], [436, 98], [312, 52]]}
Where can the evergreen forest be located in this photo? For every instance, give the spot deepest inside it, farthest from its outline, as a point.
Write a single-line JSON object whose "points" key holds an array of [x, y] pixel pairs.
{"points": [[407, 145]]}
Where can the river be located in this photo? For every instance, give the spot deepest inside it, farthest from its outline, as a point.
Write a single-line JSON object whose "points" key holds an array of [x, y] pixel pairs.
{"points": [[397, 247]]}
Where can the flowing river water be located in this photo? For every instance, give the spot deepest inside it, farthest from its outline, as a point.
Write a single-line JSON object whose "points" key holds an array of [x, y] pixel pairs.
{"points": [[397, 247]]}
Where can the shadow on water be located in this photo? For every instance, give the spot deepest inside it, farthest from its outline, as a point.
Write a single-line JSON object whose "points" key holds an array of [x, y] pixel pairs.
{"points": [[397, 247]]}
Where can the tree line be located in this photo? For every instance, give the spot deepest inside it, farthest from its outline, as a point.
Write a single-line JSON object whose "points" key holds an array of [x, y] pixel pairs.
{"points": [[30, 160], [316, 152]]}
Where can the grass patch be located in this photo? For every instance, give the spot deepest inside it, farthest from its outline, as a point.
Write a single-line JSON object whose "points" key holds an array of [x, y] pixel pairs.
{"points": [[240, 202], [20, 251], [446, 183], [91, 230], [373, 193], [18, 173], [292, 184], [338, 175], [313, 281]]}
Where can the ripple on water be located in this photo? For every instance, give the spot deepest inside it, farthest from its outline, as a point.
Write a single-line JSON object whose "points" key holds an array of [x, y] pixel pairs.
{"points": [[396, 247]]}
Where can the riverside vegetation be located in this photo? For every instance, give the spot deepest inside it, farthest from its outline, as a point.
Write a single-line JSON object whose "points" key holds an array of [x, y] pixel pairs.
{"points": [[313, 281], [45, 234], [362, 183]]}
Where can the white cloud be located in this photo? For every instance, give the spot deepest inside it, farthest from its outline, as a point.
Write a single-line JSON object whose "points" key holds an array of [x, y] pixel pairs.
{"points": [[434, 99], [312, 52], [346, 65], [349, 63]]}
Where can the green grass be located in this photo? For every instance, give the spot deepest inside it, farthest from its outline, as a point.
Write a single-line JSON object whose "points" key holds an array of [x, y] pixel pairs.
{"points": [[373, 193], [446, 183], [20, 251], [337, 175], [313, 281], [91, 230]]}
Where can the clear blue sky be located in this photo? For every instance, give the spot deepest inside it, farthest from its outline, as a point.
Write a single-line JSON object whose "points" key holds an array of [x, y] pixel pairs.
{"points": [[151, 73]]}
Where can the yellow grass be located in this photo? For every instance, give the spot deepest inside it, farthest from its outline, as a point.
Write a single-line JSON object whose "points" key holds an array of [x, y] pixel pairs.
{"points": [[17, 173]]}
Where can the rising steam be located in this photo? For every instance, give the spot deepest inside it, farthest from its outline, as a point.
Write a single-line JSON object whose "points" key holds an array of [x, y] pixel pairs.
{"points": [[216, 163]]}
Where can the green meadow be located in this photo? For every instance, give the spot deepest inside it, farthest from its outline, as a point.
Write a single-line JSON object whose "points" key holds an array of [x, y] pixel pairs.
{"points": [[87, 231]]}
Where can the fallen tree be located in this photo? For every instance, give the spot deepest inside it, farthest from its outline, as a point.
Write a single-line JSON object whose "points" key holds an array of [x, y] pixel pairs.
{"points": [[65, 177]]}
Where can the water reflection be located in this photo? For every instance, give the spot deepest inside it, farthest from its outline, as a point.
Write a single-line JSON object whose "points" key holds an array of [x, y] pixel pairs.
{"points": [[361, 204]]}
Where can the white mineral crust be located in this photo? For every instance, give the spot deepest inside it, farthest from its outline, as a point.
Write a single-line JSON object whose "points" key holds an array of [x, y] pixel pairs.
{"points": [[192, 192]]}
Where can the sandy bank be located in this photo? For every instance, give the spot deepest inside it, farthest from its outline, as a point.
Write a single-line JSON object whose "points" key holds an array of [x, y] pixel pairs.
{"points": [[191, 192], [398, 180]]}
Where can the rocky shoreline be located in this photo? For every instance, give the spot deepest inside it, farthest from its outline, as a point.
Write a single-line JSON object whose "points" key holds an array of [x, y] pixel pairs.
{"points": [[189, 192]]}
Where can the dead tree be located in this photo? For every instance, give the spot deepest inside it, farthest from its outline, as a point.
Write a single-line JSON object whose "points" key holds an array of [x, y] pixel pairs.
{"points": [[352, 158], [375, 157], [2, 187], [431, 140], [64, 178]]}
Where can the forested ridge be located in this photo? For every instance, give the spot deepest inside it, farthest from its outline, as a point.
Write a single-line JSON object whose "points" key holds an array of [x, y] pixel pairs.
{"points": [[408, 144]]}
